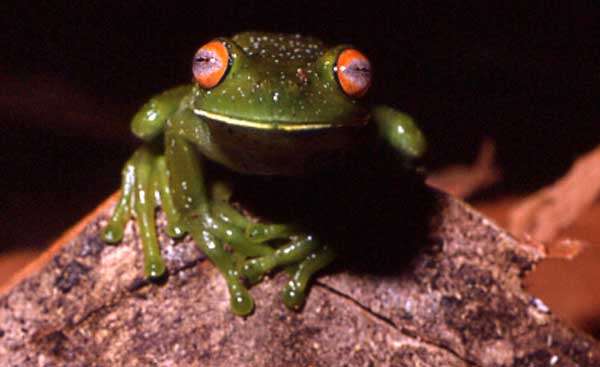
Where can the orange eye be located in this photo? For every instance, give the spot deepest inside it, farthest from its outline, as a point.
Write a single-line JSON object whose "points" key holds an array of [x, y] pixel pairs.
{"points": [[210, 64], [353, 71]]}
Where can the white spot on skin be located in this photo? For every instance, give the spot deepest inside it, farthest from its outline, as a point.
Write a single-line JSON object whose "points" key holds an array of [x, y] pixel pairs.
{"points": [[553, 360], [142, 196], [152, 115], [208, 241], [275, 96]]}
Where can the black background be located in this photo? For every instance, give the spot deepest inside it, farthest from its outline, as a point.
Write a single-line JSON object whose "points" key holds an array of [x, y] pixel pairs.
{"points": [[524, 74]]}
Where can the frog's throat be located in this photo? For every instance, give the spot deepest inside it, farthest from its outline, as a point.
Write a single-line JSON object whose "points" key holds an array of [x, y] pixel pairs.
{"points": [[285, 126]]}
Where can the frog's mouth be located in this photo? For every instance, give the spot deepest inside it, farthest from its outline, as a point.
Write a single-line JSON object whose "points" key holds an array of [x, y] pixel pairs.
{"points": [[284, 126]]}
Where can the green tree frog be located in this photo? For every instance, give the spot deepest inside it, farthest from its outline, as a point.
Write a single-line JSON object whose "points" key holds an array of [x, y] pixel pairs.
{"points": [[259, 104]]}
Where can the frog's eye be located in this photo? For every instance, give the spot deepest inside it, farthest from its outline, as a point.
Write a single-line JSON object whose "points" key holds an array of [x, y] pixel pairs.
{"points": [[210, 64], [353, 71]]}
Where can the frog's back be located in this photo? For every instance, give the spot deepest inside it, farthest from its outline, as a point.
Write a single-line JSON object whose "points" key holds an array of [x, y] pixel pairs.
{"points": [[280, 47]]}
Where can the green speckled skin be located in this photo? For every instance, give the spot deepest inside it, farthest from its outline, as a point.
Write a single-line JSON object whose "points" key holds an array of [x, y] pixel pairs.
{"points": [[279, 110], [264, 86]]}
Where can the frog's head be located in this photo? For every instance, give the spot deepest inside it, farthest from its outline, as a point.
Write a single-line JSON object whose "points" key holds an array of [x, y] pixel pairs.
{"points": [[282, 82]]}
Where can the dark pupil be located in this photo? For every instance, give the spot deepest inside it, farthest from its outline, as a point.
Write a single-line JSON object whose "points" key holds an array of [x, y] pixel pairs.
{"points": [[360, 68], [204, 59]]}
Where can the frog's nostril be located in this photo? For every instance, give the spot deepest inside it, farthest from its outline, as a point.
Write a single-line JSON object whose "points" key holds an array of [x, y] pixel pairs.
{"points": [[302, 76]]}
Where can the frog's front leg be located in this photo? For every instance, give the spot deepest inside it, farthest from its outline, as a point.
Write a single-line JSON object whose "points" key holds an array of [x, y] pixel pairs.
{"points": [[190, 197], [400, 131], [192, 201], [144, 179], [190, 194]]}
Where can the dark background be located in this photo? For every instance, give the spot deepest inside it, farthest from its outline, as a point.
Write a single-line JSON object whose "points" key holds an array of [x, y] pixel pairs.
{"points": [[527, 76]]}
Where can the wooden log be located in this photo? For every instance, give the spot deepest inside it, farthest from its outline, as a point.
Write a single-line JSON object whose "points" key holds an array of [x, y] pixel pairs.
{"points": [[457, 300]]}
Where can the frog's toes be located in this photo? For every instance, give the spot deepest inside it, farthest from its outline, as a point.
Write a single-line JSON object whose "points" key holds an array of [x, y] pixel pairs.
{"points": [[143, 183], [162, 189], [294, 294], [175, 230], [234, 236], [211, 245], [240, 301], [112, 233], [305, 252], [293, 252], [254, 270], [260, 232], [155, 269]]}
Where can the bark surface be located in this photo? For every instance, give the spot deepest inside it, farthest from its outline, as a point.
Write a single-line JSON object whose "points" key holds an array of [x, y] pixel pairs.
{"points": [[456, 299]]}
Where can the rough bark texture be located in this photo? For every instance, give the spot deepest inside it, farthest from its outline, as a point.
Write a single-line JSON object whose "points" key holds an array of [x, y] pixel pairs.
{"points": [[457, 302]]}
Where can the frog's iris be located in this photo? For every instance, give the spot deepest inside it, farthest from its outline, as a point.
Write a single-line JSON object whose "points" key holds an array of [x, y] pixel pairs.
{"points": [[353, 71], [210, 64]]}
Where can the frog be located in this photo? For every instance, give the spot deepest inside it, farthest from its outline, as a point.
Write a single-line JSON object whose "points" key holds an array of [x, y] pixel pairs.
{"points": [[259, 104]]}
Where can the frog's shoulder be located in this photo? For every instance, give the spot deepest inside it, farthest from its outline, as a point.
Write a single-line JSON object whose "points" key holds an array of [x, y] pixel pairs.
{"points": [[280, 46]]}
